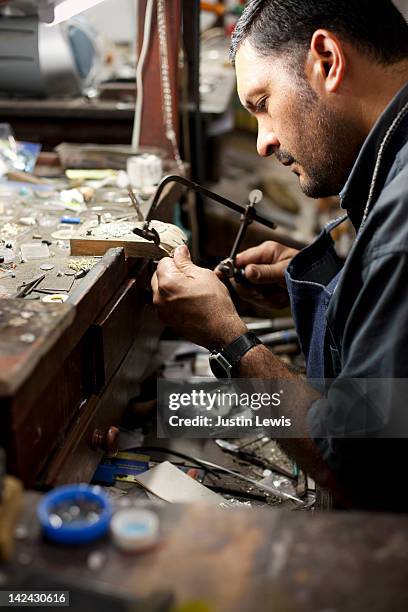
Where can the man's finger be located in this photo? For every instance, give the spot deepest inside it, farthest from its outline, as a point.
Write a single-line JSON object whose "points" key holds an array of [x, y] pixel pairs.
{"points": [[263, 274], [220, 274], [166, 266], [154, 283], [181, 257], [261, 254]]}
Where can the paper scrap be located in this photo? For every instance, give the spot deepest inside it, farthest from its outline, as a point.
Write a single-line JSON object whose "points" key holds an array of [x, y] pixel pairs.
{"points": [[171, 484]]}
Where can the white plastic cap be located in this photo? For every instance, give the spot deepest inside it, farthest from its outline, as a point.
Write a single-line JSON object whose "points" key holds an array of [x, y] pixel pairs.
{"points": [[135, 529]]}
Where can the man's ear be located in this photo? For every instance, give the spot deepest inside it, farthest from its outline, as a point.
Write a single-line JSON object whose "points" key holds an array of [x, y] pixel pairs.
{"points": [[326, 62]]}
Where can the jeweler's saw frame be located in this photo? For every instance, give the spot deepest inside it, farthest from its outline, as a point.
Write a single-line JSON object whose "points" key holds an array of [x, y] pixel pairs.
{"points": [[248, 216]]}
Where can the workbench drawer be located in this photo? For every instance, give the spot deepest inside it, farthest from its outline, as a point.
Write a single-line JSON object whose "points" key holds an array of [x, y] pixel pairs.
{"points": [[79, 455], [33, 434], [115, 329]]}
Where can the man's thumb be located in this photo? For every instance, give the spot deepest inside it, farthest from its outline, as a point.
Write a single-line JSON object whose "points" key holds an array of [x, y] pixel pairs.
{"points": [[182, 256]]}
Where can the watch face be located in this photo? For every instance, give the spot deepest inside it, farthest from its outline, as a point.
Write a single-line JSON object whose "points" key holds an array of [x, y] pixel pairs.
{"points": [[220, 367]]}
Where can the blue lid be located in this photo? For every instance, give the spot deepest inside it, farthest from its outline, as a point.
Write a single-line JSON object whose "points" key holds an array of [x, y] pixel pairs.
{"points": [[77, 531]]}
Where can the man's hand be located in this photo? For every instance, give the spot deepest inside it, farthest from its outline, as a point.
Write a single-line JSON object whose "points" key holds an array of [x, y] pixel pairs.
{"points": [[265, 266], [194, 302]]}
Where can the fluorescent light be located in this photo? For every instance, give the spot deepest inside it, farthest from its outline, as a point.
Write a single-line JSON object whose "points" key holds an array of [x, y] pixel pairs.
{"points": [[55, 11]]}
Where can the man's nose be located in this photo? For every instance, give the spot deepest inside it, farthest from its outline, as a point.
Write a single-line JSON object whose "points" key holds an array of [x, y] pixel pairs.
{"points": [[267, 141]]}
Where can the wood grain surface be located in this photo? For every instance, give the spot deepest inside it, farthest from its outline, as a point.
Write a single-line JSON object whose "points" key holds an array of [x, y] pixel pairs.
{"points": [[247, 559], [97, 240]]}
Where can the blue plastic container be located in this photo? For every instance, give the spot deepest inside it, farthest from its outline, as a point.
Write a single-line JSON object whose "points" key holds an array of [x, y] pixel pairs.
{"points": [[78, 531]]}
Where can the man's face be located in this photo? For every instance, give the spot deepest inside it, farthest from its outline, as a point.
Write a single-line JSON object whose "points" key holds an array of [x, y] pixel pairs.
{"points": [[317, 140]]}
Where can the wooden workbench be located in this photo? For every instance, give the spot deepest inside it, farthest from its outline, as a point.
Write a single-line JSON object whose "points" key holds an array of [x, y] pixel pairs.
{"points": [[61, 394], [243, 560]]}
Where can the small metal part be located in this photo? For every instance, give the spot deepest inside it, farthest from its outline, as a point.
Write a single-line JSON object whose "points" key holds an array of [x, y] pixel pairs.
{"points": [[255, 197], [70, 273], [252, 458], [81, 274], [46, 267], [227, 267], [241, 279], [99, 219], [148, 233], [47, 242]]}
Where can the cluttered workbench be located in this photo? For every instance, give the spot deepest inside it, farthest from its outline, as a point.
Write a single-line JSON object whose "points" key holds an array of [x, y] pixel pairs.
{"points": [[244, 559], [78, 331]]}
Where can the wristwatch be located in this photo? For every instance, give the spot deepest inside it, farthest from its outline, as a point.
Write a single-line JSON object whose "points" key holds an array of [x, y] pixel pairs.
{"points": [[225, 363]]}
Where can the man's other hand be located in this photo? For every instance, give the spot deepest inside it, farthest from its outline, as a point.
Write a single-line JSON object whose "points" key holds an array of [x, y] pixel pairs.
{"points": [[264, 267], [194, 302]]}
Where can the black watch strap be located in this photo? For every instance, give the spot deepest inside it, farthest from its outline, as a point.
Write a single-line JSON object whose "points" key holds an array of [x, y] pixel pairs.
{"points": [[235, 351]]}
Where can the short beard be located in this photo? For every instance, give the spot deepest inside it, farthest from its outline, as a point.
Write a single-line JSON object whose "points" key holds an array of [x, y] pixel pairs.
{"points": [[329, 144]]}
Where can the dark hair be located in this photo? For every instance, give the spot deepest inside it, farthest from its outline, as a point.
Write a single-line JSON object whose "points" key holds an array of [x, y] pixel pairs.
{"points": [[375, 27]]}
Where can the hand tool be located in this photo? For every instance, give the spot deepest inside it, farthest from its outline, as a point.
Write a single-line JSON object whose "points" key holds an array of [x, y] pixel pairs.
{"points": [[251, 458], [228, 266], [26, 288], [214, 467], [249, 216]]}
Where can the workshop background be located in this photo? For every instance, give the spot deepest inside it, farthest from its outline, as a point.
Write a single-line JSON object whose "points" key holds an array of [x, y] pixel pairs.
{"points": [[94, 112]]}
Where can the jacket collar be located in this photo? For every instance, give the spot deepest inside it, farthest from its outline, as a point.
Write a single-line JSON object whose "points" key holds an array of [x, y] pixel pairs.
{"points": [[355, 193]]}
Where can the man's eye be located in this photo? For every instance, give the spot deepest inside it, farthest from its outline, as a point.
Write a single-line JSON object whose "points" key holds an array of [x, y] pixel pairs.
{"points": [[261, 106]]}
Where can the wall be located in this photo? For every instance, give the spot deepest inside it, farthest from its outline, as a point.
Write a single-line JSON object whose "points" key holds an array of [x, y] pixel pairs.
{"points": [[114, 18]]}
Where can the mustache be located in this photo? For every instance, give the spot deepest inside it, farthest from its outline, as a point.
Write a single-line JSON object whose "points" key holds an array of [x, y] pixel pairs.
{"points": [[284, 157]]}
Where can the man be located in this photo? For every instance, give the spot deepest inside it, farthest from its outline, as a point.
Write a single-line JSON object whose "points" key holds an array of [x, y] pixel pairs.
{"points": [[327, 83]]}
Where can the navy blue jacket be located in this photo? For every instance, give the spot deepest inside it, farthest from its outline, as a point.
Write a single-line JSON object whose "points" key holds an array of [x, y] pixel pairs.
{"points": [[361, 427]]}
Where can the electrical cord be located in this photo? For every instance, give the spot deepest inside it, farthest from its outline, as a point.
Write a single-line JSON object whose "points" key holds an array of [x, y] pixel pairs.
{"points": [[139, 74]]}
